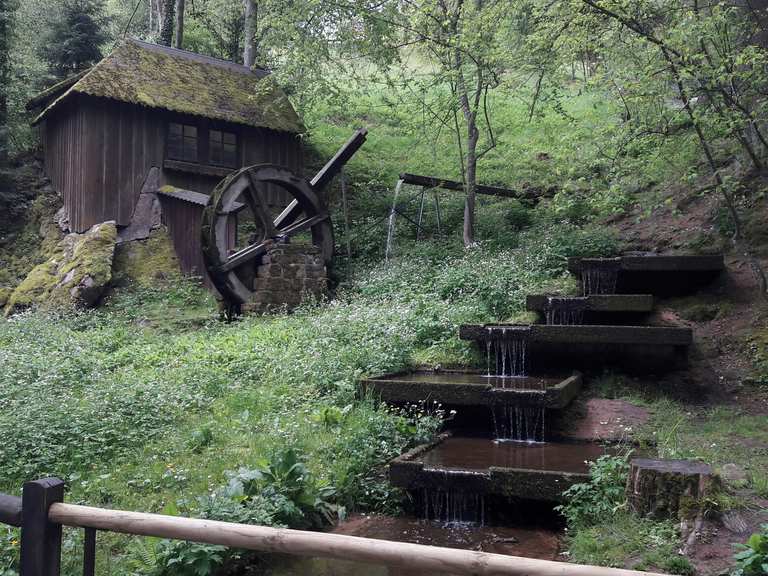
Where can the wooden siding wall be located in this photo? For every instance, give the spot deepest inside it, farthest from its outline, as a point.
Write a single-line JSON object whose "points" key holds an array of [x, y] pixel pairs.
{"points": [[98, 154], [261, 146], [183, 220]]}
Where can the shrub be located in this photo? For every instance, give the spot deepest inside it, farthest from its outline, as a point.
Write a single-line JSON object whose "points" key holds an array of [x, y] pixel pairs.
{"points": [[590, 503]]}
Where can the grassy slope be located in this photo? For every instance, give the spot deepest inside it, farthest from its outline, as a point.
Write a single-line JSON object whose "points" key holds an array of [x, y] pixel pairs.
{"points": [[150, 401]]}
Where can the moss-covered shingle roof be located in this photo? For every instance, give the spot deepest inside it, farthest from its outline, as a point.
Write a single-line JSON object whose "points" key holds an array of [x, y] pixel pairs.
{"points": [[180, 81]]}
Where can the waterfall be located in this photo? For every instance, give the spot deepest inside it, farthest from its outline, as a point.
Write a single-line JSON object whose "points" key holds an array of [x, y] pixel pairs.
{"points": [[453, 506], [599, 275], [519, 423], [569, 311], [508, 345]]}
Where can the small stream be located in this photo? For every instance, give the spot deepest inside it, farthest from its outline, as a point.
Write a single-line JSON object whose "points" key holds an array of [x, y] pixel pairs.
{"points": [[531, 542]]}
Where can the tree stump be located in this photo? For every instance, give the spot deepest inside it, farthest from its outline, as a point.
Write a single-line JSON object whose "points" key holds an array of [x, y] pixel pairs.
{"points": [[667, 488]]}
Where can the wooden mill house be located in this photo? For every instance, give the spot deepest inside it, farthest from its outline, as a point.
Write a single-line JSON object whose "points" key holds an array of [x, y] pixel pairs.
{"points": [[147, 116]]}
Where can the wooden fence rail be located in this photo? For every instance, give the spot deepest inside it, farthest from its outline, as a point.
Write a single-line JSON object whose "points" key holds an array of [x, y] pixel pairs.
{"points": [[43, 513]]}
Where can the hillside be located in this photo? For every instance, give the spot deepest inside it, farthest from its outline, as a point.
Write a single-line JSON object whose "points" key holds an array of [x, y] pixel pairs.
{"points": [[152, 402]]}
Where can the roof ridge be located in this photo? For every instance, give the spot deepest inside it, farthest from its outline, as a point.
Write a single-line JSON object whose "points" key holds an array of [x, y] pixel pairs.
{"points": [[184, 82], [201, 58]]}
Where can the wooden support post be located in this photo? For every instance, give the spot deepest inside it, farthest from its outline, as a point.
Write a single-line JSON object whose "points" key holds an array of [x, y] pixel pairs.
{"points": [[348, 242], [40, 538], [419, 224], [89, 552]]}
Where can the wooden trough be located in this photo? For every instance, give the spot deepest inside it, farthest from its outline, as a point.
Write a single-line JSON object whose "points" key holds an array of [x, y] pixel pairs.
{"points": [[615, 309]]}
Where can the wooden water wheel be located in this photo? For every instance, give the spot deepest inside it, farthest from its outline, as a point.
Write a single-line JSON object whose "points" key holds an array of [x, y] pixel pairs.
{"points": [[234, 272]]}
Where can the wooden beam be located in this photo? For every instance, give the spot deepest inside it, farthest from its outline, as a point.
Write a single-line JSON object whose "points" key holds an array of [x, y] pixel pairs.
{"points": [[342, 156], [430, 182], [10, 510], [246, 255], [415, 557], [532, 194], [325, 175]]}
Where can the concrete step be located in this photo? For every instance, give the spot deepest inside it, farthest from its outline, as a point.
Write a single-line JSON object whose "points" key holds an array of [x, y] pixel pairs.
{"points": [[613, 309], [537, 471], [474, 388], [639, 273], [631, 348]]}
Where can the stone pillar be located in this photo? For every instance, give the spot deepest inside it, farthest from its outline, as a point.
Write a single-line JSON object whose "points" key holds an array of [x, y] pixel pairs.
{"points": [[288, 275]]}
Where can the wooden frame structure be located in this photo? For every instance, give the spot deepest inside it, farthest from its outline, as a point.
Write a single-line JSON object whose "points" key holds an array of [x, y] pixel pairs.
{"points": [[41, 513]]}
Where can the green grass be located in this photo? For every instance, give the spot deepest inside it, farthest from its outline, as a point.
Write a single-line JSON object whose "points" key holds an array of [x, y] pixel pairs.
{"points": [[152, 403], [624, 540], [147, 403], [717, 435]]}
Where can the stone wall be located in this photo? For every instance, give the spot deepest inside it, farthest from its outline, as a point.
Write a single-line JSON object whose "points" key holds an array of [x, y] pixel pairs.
{"points": [[288, 275]]}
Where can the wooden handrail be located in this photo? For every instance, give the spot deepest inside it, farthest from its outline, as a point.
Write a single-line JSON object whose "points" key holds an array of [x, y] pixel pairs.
{"points": [[10, 510], [319, 544]]}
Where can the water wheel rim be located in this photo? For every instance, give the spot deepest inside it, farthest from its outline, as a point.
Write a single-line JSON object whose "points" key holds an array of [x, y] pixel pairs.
{"points": [[225, 269]]}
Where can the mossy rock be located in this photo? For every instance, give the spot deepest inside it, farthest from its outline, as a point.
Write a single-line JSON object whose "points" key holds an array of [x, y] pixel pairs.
{"points": [[78, 269], [146, 262], [5, 295], [757, 349]]}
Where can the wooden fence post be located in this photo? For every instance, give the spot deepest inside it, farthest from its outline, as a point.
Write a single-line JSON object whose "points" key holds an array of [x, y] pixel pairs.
{"points": [[40, 539]]}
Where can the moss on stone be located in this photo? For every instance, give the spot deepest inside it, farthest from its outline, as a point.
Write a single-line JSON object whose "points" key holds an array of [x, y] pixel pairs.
{"points": [[76, 272], [29, 236], [5, 294], [757, 348], [145, 262], [524, 317]]}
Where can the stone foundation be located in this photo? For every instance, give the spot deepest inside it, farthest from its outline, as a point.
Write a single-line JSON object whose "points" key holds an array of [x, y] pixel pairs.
{"points": [[288, 275]]}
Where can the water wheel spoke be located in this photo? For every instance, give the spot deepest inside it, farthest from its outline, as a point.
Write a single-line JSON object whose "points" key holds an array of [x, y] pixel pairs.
{"points": [[259, 207], [289, 215], [302, 225], [246, 255]]}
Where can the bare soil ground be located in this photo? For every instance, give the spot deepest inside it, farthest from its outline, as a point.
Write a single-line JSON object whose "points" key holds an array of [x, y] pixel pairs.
{"points": [[721, 371]]}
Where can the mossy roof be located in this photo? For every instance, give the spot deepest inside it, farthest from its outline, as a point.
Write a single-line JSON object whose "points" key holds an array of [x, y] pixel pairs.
{"points": [[160, 77]]}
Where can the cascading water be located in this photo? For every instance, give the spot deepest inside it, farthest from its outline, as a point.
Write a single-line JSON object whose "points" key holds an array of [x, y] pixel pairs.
{"points": [[569, 311], [514, 423], [599, 275], [507, 351], [507, 345], [453, 506]]}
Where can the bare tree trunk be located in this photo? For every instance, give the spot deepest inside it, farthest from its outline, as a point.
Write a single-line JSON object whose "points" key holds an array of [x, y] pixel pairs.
{"points": [[473, 136], [5, 75], [251, 23], [155, 16], [179, 40], [166, 31], [471, 184]]}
